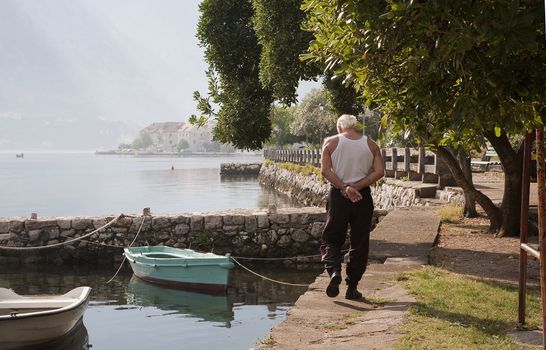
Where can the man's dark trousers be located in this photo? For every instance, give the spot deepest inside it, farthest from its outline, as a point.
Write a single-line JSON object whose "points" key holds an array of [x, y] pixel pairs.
{"points": [[341, 212]]}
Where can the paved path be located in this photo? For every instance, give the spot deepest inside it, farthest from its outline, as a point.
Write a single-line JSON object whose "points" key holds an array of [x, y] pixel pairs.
{"points": [[404, 237]]}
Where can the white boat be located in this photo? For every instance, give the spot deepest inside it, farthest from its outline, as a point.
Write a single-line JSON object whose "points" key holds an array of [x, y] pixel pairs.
{"points": [[32, 320]]}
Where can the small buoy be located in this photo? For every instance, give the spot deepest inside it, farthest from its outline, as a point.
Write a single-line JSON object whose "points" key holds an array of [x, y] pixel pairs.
{"points": [[172, 167]]}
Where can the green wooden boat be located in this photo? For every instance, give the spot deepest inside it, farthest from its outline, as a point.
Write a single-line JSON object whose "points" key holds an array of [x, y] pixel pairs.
{"points": [[180, 268]]}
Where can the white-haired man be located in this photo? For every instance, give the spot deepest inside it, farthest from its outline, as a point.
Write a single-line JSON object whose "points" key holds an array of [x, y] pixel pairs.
{"points": [[351, 162]]}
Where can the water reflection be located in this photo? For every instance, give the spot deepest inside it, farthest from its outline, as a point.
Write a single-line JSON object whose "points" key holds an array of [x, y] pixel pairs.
{"points": [[76, 339], [204, 307]]}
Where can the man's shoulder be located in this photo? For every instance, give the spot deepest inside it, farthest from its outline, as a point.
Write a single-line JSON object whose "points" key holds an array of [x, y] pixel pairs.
{"points": [[373, 146]]}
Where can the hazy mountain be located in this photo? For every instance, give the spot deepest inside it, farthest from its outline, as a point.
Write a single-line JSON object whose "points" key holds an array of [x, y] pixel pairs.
{"points": [[75, 72]]}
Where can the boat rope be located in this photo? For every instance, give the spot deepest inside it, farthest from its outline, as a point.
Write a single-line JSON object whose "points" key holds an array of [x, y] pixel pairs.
{"points": [[285, 258], [124, 257], [65, 242], [267, 278]]}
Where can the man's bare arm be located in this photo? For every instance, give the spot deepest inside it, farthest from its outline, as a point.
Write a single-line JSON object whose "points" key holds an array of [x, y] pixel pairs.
{"points": [[326, 163], [378, 168]]}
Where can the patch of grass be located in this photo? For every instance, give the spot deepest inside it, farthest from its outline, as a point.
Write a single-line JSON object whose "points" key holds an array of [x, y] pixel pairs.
{"points": [[380, 301], [266, 341], [457, 312], [305, 170], [450, 213], [267, 162], [334, 326]]}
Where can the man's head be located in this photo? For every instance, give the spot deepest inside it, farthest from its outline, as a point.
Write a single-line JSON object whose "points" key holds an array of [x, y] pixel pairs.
{"points": [[346, 122]]}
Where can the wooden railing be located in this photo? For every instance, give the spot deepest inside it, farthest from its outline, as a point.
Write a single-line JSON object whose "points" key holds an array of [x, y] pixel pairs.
{"points": [[415, 164]]}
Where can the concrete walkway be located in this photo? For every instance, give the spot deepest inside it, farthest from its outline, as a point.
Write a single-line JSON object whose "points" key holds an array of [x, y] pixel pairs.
{"points": [[404, 238]]}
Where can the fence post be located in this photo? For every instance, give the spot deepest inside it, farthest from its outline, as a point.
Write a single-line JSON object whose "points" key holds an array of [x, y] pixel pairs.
{"points": [[394, 160]]}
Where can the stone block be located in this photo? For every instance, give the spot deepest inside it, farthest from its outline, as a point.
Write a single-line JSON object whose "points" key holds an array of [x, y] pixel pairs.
{"points": [[284, 241], [300, 236], [181, 219], [125, 221], [316, 229], [4, 227], [82, 224], [251, 224], [230, 220], [263, 221], [196, 223], [279, 218], [230, 230], [137, 223], [54, 233], [64, 224], [68, 233], [181, 229], [34, 235], [99, 223], [160, 223], [4, 236], [31, 225], [16, 226], [213, 222]]}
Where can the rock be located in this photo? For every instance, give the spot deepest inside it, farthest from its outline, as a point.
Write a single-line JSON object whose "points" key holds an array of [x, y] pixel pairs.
{"points": [[212, 222], [54, 233], [4, 227], [160, 223], [31, 225], [4, 236], [181, 219], [279, 218], [263, 221], [34, 235], [16, 226], [99, 223], [251, 224], [230, 220], [284, 241], [300, 236], [64, 224], [82, 224], [68, 233], [196, 223], [181, 229]]}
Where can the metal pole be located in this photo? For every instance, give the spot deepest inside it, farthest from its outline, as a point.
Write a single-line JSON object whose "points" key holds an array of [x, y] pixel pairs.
{"points": [[541, 224], [523, 226]]}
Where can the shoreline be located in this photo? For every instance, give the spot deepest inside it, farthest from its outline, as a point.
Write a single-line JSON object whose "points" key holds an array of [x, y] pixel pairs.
{"points": [[175, 154]]}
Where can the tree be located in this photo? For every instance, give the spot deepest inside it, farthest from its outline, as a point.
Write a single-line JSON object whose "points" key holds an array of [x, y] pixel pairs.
{"points": [[231, 49], [447, 73], [142, 141], [281, 119], [183, 144], [314, 118]]}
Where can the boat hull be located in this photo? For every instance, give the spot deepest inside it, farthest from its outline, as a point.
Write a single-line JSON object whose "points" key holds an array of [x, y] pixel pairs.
{"points": [[37, 327], [180, 268]]}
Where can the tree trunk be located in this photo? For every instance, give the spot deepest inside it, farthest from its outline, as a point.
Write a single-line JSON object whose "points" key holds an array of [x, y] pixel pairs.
{"points": [[493, 213], [469, 201], [512, 163]]}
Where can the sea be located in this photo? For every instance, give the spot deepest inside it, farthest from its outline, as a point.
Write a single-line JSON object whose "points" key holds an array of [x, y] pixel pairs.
{"points": [[128, 313]]}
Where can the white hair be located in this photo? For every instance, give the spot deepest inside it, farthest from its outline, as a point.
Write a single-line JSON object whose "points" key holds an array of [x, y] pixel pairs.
{"points": [[346, 121]]}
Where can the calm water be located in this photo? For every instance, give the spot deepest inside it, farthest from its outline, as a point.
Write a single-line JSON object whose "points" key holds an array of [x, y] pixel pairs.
{"points": [[128, 313], [64, 184], [131, 314]]}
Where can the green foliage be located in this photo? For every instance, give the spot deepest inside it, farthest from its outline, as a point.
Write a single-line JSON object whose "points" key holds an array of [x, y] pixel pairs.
{"points": [[123, 146], [305, 170], [442, 72], [182, 145], [343, 99], [314, 118], [277, 25], [232, 52], [281, 118], [142, 141]]}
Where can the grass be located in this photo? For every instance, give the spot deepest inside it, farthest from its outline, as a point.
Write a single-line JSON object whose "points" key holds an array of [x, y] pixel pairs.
{"points": [[266, 341], [305, 170], [457, 312], [450, 213]]}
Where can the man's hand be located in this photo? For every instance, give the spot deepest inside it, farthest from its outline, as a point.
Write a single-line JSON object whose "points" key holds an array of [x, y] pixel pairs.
{"points": [[352, 194]]}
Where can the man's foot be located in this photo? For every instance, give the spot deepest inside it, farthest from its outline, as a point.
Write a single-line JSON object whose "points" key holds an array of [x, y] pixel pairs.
{"points": [[333, 287], [352, 294]]}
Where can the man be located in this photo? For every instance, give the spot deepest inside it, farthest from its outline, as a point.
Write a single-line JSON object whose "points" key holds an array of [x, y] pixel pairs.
{"points": [[351, 162]]}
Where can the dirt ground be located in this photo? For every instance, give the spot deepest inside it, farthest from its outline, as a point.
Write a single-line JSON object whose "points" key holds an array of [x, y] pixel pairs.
{"points": [[467, 248]]}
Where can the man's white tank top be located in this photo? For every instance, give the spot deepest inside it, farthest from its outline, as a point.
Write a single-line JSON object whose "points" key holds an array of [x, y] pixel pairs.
{"points": [[352, 159]]}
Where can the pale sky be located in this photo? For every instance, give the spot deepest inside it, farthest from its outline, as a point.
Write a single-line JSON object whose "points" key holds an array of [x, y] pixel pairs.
{"points": [[68, 62]]}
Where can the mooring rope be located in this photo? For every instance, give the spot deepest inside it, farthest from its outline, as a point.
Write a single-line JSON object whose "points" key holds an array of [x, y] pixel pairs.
{"points": [[267, 278], [65, 242], [124, 257]]}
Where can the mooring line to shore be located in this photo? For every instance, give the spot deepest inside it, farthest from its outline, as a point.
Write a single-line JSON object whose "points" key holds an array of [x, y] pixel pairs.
{"points": [[65, 242], [267, 278], [130, 245]]}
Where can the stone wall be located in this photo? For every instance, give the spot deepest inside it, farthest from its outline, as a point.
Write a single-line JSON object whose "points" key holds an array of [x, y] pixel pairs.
{"points": [[243, 169], [251, 233], [312, 190]]}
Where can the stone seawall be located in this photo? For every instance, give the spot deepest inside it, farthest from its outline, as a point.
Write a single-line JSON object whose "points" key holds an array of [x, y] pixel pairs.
{"points": [[242, 169], [312, 190], [251, 233]]}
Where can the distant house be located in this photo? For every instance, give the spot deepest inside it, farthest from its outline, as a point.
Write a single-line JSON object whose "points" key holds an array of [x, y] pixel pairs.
{"points": [[197, 136], [165, 136]]}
